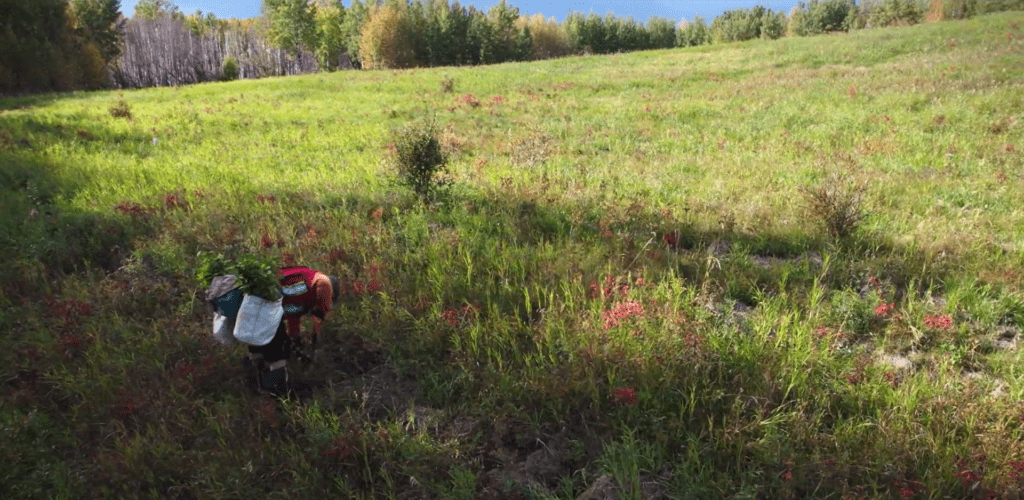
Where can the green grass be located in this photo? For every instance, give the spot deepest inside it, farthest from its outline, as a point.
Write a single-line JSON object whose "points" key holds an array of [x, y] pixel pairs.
{"points": [[623, 288]]}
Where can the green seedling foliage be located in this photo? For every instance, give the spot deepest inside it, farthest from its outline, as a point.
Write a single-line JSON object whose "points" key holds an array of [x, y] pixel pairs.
{"points": [[211, 265], [257, 274]]}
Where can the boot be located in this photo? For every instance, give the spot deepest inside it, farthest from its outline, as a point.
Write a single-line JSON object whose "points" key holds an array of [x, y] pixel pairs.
{"points": [[303, 352], [275, 379], [252, 365]]}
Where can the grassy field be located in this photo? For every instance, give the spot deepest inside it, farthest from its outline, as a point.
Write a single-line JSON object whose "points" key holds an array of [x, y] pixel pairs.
{"points": [[628, 291]]}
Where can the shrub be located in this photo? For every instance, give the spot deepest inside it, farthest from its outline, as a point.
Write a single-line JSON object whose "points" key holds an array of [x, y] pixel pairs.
{"points": [[121, 110], [447, 84], [420, 159], [837, 204], [230, 69]]}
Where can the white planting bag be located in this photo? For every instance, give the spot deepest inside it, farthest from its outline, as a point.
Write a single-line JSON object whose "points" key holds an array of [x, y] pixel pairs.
{"points": [[223, 330], [257, 320]]}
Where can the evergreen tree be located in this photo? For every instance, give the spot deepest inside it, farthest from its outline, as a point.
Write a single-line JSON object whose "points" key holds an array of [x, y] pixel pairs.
{"points": [[694, 33], [662, 33], [351, 30], [457, 48], [506, 42], [41, 49], [99, 22], [478, 38]]}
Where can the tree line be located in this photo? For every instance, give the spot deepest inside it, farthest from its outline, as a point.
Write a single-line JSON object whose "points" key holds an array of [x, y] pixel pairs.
{"points": [[162, 46], [88, 44], [57, 44]]}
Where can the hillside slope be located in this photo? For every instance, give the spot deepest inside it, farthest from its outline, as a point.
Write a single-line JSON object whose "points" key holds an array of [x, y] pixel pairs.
{"points": [[774, 269]]}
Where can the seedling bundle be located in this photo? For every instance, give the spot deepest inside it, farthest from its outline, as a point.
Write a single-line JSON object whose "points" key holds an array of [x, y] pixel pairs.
{"points": [[257, 275]]}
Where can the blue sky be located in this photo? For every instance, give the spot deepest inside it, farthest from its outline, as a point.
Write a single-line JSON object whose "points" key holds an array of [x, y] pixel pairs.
{"points": [[639, 9]]}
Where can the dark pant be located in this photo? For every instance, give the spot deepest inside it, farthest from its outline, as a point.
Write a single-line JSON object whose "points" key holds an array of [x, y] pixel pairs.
{"points": [[279, 347]]}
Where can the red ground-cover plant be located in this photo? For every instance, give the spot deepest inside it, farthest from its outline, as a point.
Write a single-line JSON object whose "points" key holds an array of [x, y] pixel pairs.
{"points": [[337, 256], [908, 489], [22, 391], [340, 448], [455, 317], [267, 242], [374, 285], [173, 201], [621, 312], [359, 286], [266, 411], [468, 99], [693, 341], [608, 288], [128, 405], [133, 209], [69, 344], [1016, 469], [884, 310], [859, 370], [69, 311], [287, 259], [892, 378], [874, 283], [184, 370], [826, 334], [624, 396], [938, 322], [671, 239], [971, 473]]}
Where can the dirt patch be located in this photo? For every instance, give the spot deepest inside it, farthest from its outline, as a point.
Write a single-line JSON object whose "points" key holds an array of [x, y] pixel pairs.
{"points": [[520, 462], [378, 394]]}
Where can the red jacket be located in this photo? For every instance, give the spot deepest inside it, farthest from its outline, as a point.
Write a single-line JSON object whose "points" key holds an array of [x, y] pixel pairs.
{"points": [[305, 292]]}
